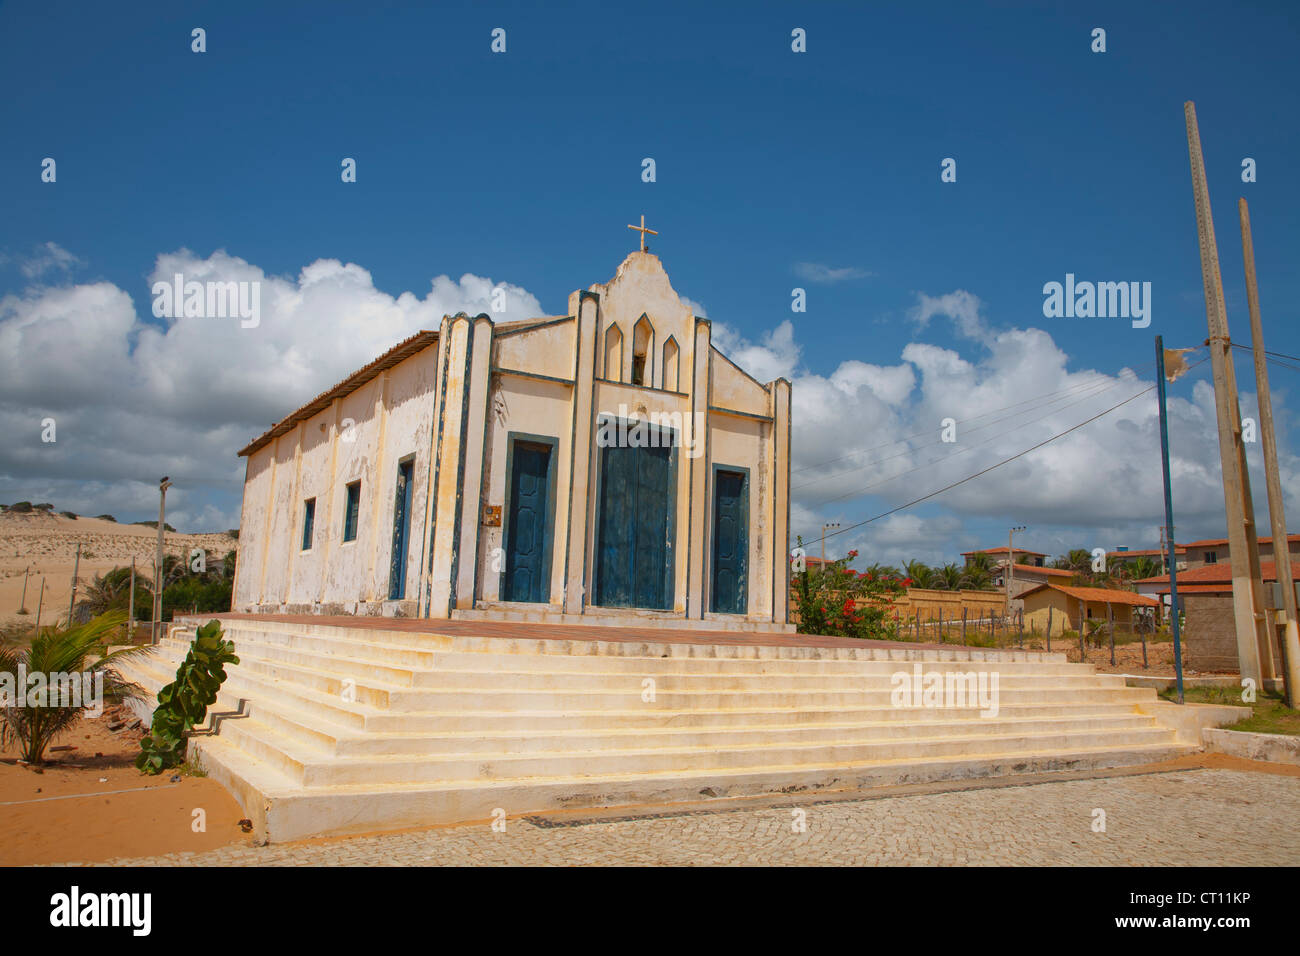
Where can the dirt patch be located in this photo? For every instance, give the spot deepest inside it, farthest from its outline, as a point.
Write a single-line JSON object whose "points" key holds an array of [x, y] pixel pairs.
{"points": [[91, 804]]}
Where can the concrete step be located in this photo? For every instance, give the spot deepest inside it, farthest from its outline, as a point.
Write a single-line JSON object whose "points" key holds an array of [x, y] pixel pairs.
{"points": [[319, 768], [673, 676], [399, 656], [283, 812], [594, 647]]}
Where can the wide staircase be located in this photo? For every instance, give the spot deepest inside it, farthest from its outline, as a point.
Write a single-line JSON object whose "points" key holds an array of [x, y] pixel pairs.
{"points": [[328, 730]]}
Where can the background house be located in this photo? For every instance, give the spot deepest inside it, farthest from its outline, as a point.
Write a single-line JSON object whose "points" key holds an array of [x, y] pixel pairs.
{"points": [[1209, 633], [1068, 607]]}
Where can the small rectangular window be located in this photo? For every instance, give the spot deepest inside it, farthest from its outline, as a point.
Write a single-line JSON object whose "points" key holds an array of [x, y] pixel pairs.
{"points": [[308, 522], [350, 510], [1211, 557]]}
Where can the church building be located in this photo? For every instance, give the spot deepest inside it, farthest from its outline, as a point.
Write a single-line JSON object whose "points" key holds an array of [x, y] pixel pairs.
{"points": [[605, 466]]}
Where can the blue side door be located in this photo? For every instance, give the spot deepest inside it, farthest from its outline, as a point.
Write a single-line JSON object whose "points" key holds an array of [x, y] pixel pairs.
{"points": [[401, 532], [528, 533], [730, 542]]}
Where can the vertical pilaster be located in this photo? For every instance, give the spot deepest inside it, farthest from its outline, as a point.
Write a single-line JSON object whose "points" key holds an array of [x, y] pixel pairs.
{"points": [[328, 529], [453, 421], [697, 538], [266, 535], [379, 487], [424, 587], [581, 462], [293, 546], [471, 465], [781, 396]]}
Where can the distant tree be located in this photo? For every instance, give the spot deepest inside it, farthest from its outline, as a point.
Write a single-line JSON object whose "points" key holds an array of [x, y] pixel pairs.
{"points": [[21, 506], [922, 574], [949, 577], [112, 591], [1143, 567], [106, 518], [1078, 560], [69, 514], [46, 506]]}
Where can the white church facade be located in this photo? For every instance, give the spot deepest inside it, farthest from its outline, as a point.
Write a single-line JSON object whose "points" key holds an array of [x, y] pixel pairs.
{"points": [[609, 465]]}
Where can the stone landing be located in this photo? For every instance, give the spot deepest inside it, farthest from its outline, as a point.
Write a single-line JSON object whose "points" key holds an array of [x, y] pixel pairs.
{"points": [[351, 725]]}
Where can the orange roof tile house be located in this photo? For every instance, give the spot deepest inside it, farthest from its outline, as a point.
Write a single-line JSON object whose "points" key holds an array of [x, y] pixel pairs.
{"points": [[1067, 607]]}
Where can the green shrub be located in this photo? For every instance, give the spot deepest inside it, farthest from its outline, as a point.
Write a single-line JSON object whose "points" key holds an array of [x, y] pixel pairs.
{"points": [[106, 518], [184, 703], [21, 506], [838, 601], [68, 651]]}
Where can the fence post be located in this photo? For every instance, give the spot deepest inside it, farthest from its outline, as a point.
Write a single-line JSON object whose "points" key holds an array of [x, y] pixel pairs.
{"points": [[1110, 620], [940, 625], [1022, 626], [964, 609], [1143, 633], [1049, 628], [1083, 653]]}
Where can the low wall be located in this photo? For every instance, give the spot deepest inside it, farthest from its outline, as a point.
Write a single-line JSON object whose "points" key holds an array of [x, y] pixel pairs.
{"points": [[930, 603]]}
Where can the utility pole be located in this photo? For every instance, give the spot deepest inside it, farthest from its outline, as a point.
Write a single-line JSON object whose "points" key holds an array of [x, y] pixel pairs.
{"points": [[1167, 539], [22, 604], [156, 626], [1272, 480], [1011, 568], [76, 567], [39, 601], [1253, 652], [130, 615]]}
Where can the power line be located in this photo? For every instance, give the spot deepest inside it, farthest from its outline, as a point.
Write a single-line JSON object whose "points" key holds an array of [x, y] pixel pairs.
{"points": [[916, 501], [964, 450], [993, 411]]}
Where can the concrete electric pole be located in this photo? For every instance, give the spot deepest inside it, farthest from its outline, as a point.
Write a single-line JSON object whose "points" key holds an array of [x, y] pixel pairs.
{"points": [[1253, 651], [158, 564], [1272, 480]]}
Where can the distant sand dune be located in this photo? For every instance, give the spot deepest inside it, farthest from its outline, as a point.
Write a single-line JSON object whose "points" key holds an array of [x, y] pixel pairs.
{"points": [[47, 545]]}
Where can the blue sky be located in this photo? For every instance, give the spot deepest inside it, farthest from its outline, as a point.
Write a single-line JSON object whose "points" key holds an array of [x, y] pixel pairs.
{"points": [[525, 167]]}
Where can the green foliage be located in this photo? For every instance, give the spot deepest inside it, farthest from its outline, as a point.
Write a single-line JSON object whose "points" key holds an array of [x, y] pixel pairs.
{"points": [[154, 524], [69, 514], [22, 507], [837, 601], [106, 518], [922, 574], [45, 506], [59, 651], [184, 703]]}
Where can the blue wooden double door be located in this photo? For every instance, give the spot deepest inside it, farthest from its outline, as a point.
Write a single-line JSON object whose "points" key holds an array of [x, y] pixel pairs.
{"points": [[634, 528], [531, 512]]}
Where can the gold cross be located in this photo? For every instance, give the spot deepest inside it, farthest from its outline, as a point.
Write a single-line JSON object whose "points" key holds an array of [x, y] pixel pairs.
{"points": [[643, 230]]}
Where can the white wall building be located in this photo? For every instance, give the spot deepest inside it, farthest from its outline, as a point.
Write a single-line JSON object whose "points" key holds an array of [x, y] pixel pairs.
{"points": [[610, 463]]}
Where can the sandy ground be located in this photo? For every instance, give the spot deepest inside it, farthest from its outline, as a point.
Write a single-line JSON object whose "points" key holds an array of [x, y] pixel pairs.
{"points": [[91, 804], [45, 546]]}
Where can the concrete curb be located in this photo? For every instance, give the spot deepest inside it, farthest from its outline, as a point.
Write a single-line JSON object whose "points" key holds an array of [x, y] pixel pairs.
{"points": [[1274, 748]]}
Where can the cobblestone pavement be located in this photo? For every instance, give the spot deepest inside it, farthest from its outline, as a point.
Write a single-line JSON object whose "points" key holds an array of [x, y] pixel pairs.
{"points": [[1204, 817]]}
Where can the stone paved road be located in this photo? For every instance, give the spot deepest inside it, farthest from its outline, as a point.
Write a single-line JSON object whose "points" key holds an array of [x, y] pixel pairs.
{"points": [[1211, 817]]}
